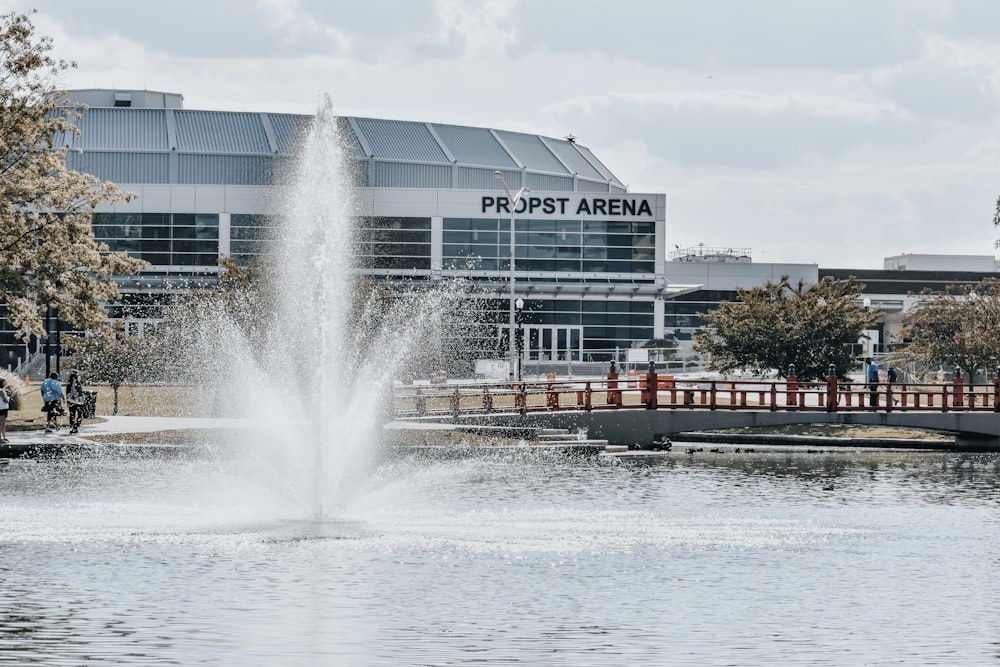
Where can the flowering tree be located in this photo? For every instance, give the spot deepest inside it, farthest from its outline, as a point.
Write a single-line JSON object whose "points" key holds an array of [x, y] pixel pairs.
{"points": [[108, 355], [48, 254], [956, 328], [769, 328]]}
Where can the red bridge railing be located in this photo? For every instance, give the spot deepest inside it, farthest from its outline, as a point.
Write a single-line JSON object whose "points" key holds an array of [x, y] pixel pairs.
{"points": [[658, 392]]}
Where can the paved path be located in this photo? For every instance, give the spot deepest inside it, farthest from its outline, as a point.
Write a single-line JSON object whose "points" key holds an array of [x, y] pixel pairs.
{"points": [[118, 424]]}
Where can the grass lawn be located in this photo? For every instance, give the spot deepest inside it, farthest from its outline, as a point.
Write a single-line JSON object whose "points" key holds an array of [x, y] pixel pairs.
{"points": [[844, 431], [145, 401]]}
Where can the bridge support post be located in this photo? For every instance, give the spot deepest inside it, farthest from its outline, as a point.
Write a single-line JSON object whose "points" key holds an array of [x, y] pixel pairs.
{"points": [[791, 389], [831, 390], [996, 392], [651, 389], [551, 398], [614, 394], [958, 392]]}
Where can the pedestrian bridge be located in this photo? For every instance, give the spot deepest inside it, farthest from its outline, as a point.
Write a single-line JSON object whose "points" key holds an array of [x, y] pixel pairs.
{"points": [[625, 411]]}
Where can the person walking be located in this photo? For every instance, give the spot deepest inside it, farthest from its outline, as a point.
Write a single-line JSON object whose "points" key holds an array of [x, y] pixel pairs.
{"points": [[4, 409], [75, 399], [52, 396], [891, 376], [872, 383]]}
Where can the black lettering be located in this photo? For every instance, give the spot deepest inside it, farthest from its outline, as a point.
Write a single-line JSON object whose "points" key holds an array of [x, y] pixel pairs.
{"points": [[628, 207], [614, 207], [503, 205], [533, 203], [562, 204], [550, 206], [599, 207], [644, 208], [583, 207], [521, 206], [487, 203]]}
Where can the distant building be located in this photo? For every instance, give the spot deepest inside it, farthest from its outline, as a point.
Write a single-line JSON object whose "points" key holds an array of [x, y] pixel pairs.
{"points": [[894, 290], [711, 277], [714, 274], [969, 263]]}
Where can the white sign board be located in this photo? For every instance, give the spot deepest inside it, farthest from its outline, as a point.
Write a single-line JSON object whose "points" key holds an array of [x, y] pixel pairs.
{"points": [[493, 369], [637, 356]]}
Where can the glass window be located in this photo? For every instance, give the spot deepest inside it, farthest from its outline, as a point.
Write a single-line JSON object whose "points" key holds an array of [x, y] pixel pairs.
{"points": [[393, 243]]}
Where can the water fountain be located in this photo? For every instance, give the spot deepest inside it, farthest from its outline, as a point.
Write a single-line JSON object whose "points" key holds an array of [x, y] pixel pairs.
{"points": [[331, 353]]}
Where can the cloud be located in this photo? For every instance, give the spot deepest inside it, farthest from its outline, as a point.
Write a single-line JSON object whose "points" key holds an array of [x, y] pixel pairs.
{"points": [[732, 34], [954, 82], [830, 132], [287, 19], [740, 128]]}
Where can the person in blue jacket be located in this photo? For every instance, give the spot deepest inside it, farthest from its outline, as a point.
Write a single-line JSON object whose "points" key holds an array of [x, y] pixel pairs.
{"points": [[52, 397], [873, 383]]}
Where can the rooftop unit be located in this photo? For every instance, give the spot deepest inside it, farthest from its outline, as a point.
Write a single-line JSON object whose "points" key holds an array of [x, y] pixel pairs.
{"points": [[703, 253]]}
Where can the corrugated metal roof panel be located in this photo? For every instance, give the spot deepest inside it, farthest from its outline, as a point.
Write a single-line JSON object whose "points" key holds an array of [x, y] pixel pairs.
{"points": [[225, 169], [592, 186], [530, 150], [358, 171], [404, 175], [351, 143], [546, 183], [289, 130], [401, 140], [121, 129], [567, 153], [237, 134], [512, 179], [604, 171], [122, 167], [474, 145], [221, 132], [471, 178]]}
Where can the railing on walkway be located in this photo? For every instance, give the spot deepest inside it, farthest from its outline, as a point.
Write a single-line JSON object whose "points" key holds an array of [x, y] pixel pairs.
{"points": [[633, 392]]}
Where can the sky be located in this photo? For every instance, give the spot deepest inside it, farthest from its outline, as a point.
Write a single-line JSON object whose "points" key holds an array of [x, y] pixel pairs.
{"points": [[835, 133]]}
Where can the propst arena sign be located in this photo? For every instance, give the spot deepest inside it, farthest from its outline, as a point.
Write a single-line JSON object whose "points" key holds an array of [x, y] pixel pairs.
{"points": [[590, 205]]}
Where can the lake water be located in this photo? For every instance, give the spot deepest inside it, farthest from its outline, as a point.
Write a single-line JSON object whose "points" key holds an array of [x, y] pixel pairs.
{"points": [[769, 557]]}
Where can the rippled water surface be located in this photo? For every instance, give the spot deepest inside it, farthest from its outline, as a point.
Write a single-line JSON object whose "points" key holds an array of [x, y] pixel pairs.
{"points": [[712, 558]]}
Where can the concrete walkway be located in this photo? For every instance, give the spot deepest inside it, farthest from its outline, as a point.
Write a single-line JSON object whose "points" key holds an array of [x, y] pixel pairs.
{"points": [[39, 441]]}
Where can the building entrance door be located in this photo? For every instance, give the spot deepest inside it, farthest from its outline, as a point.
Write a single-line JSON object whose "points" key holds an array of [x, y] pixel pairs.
{"points": [[553, 343]]}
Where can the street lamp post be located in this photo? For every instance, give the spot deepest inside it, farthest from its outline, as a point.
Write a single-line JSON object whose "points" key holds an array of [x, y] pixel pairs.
{"points": [[513, 200], [519, 308]]}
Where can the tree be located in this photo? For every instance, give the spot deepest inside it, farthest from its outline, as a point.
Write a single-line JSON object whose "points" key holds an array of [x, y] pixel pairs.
{"points": [[107, 354], [996, 220], [770, 328], [956, 327], [48, 254]]}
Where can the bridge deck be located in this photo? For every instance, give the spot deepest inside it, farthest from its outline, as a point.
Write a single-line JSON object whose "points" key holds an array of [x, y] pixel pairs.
{"points": [[625, 411]]}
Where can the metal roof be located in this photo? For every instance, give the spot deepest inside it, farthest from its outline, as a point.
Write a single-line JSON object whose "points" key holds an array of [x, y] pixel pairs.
{"points": [[215, 146], [474, 145]]}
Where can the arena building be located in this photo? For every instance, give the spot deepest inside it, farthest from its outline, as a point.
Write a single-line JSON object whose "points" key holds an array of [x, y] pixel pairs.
{"points": [[435, 201]]}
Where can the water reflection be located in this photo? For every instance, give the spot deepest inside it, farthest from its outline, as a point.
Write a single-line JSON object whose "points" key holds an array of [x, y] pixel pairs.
{"points": [[508, 556]]}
